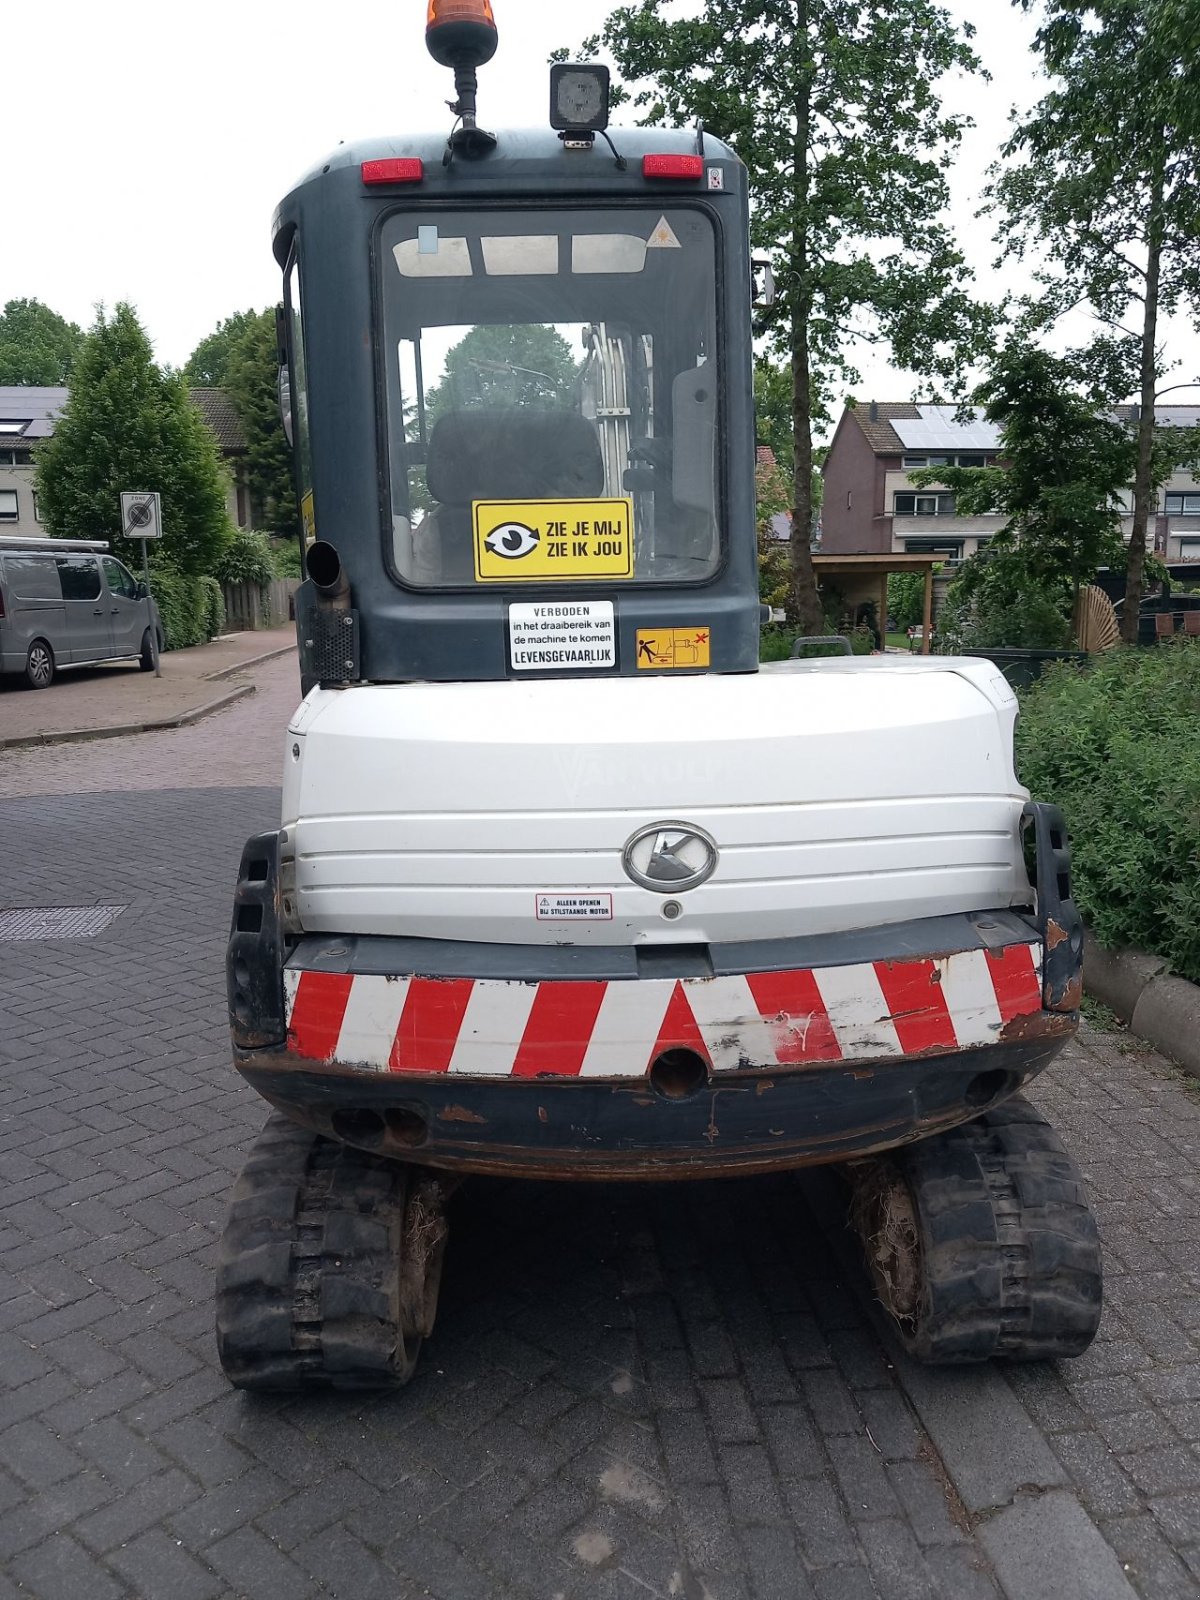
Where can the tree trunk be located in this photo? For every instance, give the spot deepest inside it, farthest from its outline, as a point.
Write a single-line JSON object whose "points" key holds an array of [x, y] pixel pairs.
{"points": [[804, 605], [1143, 485]]}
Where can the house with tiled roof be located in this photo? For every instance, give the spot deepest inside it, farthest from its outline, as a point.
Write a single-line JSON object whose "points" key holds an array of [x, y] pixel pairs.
{"points": [[28, 414], [871, 505]]}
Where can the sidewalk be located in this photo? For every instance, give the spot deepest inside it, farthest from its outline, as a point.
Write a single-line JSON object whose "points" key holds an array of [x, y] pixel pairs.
{"points": [[102, 702]]}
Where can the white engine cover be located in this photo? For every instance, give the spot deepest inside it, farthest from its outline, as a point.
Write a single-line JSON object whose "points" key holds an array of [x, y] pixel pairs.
{"points": [[841, 794]]}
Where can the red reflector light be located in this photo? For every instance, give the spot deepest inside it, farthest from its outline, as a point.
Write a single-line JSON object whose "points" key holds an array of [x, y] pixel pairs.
{"points": [[397, 169], [672, 166]]}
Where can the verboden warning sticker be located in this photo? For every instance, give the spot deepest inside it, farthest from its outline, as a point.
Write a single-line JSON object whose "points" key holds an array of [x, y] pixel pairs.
{"points": [[552, 635], [549, 541], [577, 907]]}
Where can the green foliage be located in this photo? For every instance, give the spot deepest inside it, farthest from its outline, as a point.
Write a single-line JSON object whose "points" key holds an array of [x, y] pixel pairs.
{"points": [[128, 425], [37, 346], [773, 413], [529, 364], [834, 109], [994, 603], [285, 558], [1102, 182], [208, 365], [773, 497], [247, 558], [1116, 747], [212, 603], [1065, 466], [183, 607], [906, 599], [251, 379]]}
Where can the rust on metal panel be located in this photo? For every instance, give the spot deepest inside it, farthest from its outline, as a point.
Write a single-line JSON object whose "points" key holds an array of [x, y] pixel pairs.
{"points": [[1038, 1025], [459, 1114], [1055, 934]]}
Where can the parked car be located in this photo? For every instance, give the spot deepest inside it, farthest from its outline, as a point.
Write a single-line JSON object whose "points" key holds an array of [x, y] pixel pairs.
{"points": [[69, 603]]}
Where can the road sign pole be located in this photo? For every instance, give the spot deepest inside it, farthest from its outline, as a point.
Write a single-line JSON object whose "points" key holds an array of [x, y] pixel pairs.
{"points": [[150, 612]]}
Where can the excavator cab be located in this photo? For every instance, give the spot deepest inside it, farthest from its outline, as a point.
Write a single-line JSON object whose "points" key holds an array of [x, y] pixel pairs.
{"points": [[566, 885]]}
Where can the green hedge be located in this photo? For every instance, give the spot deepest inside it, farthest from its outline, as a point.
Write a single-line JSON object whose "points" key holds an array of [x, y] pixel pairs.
{"points": [[1118, 748], [192, 610]]}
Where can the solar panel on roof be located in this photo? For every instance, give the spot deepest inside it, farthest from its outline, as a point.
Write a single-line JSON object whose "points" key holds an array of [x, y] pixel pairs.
{"points": [[936, 429]]}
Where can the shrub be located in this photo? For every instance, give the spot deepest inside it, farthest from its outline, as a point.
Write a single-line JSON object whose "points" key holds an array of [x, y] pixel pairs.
{"points": [[285, 558], [245, 559], [993, 603], [213, 605], [192, 610], [1117, 748], [180, 607]]}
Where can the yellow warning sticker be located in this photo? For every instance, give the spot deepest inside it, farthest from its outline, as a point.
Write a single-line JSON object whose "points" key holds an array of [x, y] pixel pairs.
{"points": [[308, 519], [549, 540], [660, 648]]}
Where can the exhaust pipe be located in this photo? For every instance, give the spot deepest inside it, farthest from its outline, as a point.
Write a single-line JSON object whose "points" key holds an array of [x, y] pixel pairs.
{"points": [[328, 575], [327, 622]]}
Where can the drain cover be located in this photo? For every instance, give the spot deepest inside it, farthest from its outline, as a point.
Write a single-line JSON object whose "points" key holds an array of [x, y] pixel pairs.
{"points": [[57, 922]]}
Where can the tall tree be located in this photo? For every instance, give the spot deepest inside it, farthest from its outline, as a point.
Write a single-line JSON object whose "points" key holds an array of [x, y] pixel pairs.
{"points": [[37, 346], [833, 106], [208, 365], [251, 378], [127, 425], [1066, 465], [1103, 183]]}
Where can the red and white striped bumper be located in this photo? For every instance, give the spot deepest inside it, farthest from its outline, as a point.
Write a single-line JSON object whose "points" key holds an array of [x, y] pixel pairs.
{"points": [[486, 1028]]}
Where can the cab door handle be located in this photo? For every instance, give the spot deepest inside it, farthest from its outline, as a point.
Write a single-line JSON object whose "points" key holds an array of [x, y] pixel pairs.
{"points": [[98, 612]]}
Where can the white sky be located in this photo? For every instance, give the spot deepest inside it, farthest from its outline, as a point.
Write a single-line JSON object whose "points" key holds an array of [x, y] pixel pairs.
{"points": [[150, 142]]}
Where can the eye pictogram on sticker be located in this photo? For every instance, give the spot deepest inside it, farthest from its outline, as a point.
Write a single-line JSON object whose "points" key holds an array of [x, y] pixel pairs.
{"points": [[512, 540], [661, 649]]}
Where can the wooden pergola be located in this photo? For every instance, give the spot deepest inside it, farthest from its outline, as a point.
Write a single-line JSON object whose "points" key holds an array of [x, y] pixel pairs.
{"points": [[870, 575]]}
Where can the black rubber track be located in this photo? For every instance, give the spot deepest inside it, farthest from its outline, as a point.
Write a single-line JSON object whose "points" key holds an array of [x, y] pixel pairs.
{"points": [[328, 1266], [1006, 1258]]}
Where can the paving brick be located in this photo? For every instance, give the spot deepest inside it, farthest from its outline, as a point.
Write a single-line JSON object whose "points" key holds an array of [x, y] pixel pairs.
{"points": [[137, 1510], [155, 1564], [59, 1570], [862, 1479], [253, 1566], [822, 1526]]}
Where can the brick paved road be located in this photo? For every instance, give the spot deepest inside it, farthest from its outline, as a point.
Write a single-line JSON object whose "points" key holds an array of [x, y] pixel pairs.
{"points": [[660, 1392]]}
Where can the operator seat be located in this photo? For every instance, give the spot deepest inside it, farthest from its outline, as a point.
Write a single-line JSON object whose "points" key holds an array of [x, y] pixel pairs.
{"points": [[509, 453]]}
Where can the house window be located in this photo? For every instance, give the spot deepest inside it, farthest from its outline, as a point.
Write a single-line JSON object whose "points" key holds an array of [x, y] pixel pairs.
{"points": [[972, 461], [916, 461], [37, 510], [1183, 505], [934, 547], [8, 505], [923, 505]]}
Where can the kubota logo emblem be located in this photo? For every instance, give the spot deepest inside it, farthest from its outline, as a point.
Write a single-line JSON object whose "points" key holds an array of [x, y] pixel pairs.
{"points": [[669, 857]]}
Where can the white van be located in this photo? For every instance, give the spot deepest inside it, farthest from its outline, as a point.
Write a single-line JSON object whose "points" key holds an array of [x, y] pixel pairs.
{"points": [[69, 603]]}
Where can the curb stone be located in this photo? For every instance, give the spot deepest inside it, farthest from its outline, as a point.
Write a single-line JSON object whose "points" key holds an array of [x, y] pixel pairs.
{"points": [[1048, 1548], [251, 661], [1155, 1004], [79, 735]]}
